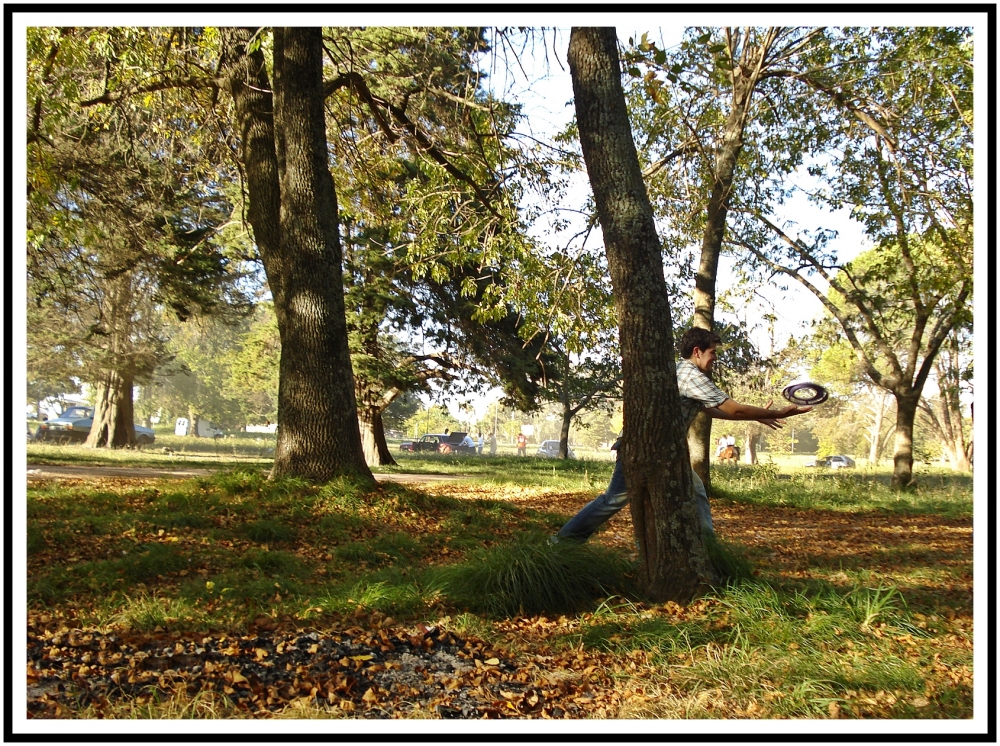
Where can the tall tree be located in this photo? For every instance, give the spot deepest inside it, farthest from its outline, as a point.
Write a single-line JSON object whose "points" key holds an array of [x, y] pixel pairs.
{"points": [[674, 559], [738, 112], [701, 106], [953, 369], [293, 211], [116, 230], [909, 182]]}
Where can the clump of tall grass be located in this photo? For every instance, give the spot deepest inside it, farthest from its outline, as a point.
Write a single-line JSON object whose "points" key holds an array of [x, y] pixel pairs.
{"points": [[532, 576], [730, 562]]}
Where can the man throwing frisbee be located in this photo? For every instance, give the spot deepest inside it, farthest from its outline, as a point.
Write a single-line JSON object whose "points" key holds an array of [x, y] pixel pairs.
{"points": [[698, 393]]}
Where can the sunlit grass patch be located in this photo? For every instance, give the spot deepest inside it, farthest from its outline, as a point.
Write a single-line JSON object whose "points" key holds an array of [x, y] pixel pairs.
{"points": [[144, 613], [947, 495], [774, 652], [388, 592]]}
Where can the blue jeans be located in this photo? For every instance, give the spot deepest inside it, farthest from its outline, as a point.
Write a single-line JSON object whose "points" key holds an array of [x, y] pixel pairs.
{"points": [[615, 497]]}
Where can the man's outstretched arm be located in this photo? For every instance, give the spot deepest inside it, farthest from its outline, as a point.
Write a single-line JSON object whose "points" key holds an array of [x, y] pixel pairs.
{"points": [[734, 410]]}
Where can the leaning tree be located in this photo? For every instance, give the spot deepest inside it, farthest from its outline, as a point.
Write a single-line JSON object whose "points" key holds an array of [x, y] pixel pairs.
{"points": [[674, 558]]}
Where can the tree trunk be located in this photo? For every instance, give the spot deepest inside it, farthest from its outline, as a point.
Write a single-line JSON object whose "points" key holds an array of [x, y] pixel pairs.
{"points": [[750, 447], [373, 443], [293, 212], [949, 385], [723, 174], [567, 418], [113, 426], [875, 434], [906, 414], [193, 421], [674, 561], [947, 425]]}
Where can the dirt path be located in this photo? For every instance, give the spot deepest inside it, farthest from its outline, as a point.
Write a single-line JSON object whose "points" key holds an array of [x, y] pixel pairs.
{"points": [[38, 472]]}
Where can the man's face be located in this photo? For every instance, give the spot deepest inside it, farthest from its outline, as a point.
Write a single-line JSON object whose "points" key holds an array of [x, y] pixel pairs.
{"points": [[704, 359]]}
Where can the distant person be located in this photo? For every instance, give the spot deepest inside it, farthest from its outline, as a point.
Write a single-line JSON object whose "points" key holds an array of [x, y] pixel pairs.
{"points": [[698, 393], [481, 444], [730, 440], [468, 442], [720, 446], [522, 444], [493, 444], [446, 431]]}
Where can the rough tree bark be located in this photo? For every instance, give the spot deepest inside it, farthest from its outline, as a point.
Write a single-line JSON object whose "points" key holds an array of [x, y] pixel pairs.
{"points": [[906, 415], [674, 561], [113, 425], [373, 442], [113, 411], [293, 212], [567, 418]]}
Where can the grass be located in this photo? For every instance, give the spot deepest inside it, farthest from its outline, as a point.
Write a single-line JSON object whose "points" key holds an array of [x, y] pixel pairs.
{"points": [[532, 576], [938, 492], [795, 630]]}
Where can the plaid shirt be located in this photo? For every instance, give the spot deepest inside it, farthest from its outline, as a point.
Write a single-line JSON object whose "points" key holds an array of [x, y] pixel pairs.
{"points": [[697, 391]]}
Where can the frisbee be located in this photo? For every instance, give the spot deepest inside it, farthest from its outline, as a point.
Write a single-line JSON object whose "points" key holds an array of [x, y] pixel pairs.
{"points": [[807, 394]]}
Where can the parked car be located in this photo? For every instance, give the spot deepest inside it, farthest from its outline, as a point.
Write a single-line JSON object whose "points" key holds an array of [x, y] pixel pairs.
{"points": [[550, 449], [457, 443], [73, 426], [438, 443], [833, 462]]}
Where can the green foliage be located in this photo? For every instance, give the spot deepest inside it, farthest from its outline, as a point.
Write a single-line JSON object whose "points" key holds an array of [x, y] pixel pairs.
{"points": [[252, 367], [126, 212]]}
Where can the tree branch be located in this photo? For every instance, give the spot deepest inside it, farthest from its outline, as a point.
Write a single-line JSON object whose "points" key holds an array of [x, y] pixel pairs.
{"points": [[839, 99], [196, 83], [869, 367], [357, 83], [852, 297]]}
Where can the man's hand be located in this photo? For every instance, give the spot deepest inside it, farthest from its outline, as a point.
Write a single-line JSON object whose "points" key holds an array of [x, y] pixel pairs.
{"points": [[775, 422]]}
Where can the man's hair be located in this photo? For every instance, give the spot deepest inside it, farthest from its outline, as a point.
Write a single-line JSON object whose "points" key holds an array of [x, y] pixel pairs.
{"points": [[697, 337]]}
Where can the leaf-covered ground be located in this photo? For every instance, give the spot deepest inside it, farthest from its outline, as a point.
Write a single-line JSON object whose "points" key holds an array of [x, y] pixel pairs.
{"points": [[862, 614]]}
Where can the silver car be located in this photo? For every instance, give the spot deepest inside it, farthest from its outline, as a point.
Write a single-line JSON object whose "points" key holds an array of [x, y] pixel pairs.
{"points": [[833, 462], [550, 449]]}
